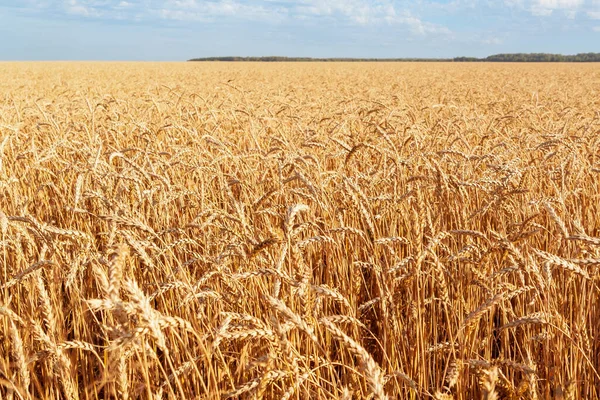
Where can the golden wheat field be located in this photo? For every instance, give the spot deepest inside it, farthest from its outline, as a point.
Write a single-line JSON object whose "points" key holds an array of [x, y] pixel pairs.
{"points": [[299, 231]]}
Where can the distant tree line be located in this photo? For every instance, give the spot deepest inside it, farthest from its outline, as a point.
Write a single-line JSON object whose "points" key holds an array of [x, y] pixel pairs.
{"points": [[310, 59], [535, 57], [515, 57]]}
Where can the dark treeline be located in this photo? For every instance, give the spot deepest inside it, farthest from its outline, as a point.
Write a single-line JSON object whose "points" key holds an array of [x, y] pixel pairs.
{"points": [[308, 59], [539, 57], [515, 57]]}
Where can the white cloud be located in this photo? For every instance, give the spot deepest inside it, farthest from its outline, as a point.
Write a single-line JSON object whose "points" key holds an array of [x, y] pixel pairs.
{"points": [[559, 3], [391, 13], [547, 7], [542, 12], [419, 27], [593, 14], [192, 10], [492, 41], [364, 12], [514, 3], [84, 9], [596, 29], [358, 12]]}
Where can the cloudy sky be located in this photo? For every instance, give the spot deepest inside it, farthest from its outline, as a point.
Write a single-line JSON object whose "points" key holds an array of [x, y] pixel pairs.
{"points": [[182, 29]]}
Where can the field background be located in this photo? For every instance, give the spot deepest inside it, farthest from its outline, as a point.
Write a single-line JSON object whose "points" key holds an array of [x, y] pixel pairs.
{"points": [[322, 230]]}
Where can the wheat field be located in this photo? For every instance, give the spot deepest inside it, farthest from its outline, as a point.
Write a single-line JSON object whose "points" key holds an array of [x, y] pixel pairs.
{"points": [[299, 231]]}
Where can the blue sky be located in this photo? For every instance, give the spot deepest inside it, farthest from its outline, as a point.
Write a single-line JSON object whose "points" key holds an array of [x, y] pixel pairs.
{"points": [[182, 29]]}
